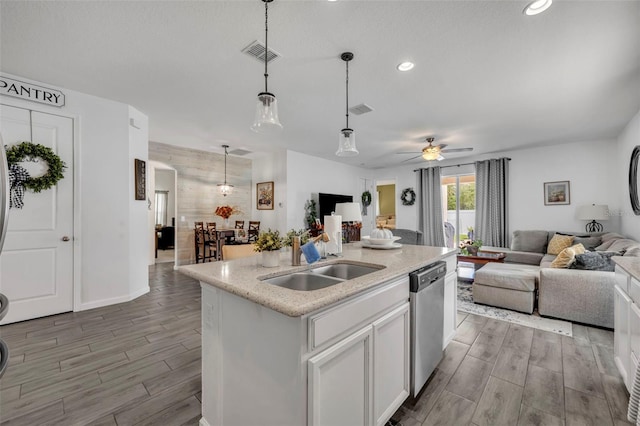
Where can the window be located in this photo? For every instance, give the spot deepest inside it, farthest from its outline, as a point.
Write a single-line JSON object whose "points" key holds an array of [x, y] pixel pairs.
{"points": [[459, 202], [162, 199]]}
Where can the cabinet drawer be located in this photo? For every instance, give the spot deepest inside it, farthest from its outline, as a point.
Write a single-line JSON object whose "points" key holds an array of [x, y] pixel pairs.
{"points": [[331, 323]]}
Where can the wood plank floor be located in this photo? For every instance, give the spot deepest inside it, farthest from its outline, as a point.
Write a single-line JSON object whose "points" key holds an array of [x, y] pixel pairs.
{"points": [[138, 363], [497, 373]]}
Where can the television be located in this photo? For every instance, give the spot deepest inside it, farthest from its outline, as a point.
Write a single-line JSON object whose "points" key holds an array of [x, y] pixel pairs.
{"points": [[327, 203]]}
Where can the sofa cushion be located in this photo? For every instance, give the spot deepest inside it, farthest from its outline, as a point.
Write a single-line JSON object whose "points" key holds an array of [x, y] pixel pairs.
{"points": [[589, 243], [622, 244], [559, 243], [610, 236], [546, 260], [595, 261], [606, 244], [633, 251], [567, 256], [532, 241], [508, 275]]}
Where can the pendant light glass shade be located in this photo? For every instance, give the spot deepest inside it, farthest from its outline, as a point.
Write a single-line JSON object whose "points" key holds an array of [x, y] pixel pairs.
{"points": [[347, 144], [347, 137], [225, 188], [266, 120], [266, 114]]}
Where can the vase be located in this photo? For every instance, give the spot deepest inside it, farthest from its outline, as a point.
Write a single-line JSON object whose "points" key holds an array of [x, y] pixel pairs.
{"points": [[271, 259], [470, 235], [226, 223], [473, 250]]}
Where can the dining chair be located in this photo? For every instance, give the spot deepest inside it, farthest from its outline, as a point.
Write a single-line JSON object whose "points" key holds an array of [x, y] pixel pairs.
{"points": [[254, 230], [203, 244], [239, 224]]}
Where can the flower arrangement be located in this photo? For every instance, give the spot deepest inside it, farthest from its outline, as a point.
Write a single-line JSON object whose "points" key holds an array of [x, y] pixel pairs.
{"points": [[269, 241], [470, 247], [226, 211], [302, 233]]}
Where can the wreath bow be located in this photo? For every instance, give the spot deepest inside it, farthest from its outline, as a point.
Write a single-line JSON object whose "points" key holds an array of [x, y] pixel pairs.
{"points": [[18, 175]]}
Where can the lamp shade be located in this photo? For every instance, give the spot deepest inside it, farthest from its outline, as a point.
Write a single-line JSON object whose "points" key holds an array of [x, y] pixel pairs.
{"points": [[593, 212], [350, 212], [347, 143], [266, 120]]}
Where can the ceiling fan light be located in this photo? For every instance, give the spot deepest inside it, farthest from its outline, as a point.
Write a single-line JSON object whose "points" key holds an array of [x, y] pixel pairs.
{"points": [[347, 144], [430, 155], [536, 7], [266, 119]]}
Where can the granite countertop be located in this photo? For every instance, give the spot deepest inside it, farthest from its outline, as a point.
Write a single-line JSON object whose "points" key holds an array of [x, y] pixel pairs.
{"points": [[630, 264], [242, 276]]}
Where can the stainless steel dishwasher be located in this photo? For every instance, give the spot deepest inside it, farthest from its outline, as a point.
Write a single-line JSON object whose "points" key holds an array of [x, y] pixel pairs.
{"points": [[426, 300]]}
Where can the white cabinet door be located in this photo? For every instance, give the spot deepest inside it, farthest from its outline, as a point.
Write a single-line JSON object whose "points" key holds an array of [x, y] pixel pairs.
{"points": [[340, 380], [450, 307], [634, 343], [621, 334], [390, 363]]}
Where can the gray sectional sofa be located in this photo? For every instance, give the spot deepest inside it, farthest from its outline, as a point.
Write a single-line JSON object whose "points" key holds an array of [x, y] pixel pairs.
{"points": [[584, 296]]}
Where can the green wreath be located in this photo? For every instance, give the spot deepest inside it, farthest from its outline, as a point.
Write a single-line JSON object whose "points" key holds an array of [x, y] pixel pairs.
{"points": [[55, 166], [366, 198], [408, 197]]}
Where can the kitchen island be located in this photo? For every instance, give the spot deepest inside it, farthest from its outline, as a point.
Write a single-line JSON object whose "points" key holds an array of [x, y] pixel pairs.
{"points": [[336, 355]]}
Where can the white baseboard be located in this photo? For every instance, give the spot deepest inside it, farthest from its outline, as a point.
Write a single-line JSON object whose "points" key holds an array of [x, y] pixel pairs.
{"points": [[113, 300]]}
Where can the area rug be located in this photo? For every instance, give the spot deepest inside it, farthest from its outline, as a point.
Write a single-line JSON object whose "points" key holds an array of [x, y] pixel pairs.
{"points": [[465, 304]]}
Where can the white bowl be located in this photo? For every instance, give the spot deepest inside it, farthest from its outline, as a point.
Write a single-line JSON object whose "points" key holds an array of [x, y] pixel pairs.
{"points": [[381, 241]]}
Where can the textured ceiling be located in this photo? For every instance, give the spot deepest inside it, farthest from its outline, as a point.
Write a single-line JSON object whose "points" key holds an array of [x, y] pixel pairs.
{"points": [[486, 76]]}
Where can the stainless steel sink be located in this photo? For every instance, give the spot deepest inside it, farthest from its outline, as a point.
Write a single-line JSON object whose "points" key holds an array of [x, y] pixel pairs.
{"points": [[344, 271], [321, 277], [303, 281]]}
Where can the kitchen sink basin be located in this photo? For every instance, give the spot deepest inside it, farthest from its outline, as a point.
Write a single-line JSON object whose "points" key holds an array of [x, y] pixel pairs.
{"points": [[321, 277], [344, 271], [303, 281]]}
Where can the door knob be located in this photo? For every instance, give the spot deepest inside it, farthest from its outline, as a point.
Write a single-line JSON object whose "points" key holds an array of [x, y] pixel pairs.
{"points": [[65, 238]]}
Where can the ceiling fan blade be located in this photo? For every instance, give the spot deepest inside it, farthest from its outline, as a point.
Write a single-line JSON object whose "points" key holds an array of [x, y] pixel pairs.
{"points": [[412, 158], [457, 150], [409, 152], [442, 146]]}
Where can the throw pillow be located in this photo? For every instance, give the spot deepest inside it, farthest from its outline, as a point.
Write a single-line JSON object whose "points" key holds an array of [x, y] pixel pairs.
{"points": [[559, 243], [589, 243], [567, 256], [595, 261], [531, 241]]}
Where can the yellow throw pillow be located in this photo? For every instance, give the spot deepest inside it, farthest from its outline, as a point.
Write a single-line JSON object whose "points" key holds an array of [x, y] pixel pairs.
{"points": [[559, 243], [567, 256]]}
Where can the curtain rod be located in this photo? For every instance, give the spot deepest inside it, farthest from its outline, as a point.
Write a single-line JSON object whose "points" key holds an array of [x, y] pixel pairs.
{"points": [[454, 165]]}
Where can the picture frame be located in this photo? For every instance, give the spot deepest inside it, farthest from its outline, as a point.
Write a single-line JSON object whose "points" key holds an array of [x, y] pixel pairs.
{"points": [[264, 196], [557, 193], [140, 168]]}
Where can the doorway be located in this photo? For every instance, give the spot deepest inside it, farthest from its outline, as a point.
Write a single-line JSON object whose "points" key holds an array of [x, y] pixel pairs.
{"points": [[386, 203], [459, 202], [162, 213]]}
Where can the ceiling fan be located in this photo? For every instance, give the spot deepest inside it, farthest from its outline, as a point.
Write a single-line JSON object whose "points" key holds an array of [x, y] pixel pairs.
{"points": [[433, 152]]}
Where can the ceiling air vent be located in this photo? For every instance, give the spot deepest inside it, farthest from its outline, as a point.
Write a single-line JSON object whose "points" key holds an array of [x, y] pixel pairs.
{"points": [[360, 109], [239, 152], [256, 50]]}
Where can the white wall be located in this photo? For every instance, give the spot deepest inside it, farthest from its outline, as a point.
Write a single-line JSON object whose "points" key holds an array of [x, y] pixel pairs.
{"points": [[307, 176], [628, 139], [111, 256], [587, 165], [271, 168]]}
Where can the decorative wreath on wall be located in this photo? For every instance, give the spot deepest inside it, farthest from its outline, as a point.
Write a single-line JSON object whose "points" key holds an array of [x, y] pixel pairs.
{"points": [[408, 197], [366, 198], [19, 178]]}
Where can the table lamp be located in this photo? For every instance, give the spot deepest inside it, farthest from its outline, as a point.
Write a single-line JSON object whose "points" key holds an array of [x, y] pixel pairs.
{"points": [[593, 213], [350, 213]]}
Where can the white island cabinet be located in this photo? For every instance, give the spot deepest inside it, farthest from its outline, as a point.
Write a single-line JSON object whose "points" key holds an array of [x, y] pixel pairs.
{"points": [[626, 333], [339, 356]]}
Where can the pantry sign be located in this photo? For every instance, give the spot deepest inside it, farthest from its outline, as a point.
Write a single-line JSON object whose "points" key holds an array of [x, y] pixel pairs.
{"points": [[30, 92]]}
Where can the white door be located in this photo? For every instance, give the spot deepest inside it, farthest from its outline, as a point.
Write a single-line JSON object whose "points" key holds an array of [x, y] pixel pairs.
{"points": [[391, 363], [340, 383], [36, 264]]}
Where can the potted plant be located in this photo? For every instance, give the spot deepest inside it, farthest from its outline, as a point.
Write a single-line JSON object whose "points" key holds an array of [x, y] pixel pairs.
{"points": [[302, 233], [310, 213], [269, 244], [225, 212], [470, 247]]}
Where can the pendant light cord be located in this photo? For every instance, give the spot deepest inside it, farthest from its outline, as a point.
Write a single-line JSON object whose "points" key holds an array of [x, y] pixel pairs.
{"points": [[266, 43], [347, 104], [225, 165]]}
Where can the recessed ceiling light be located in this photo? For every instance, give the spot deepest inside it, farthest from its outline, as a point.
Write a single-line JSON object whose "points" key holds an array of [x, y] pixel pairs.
{"points": [[405, 66], [537, 6]]}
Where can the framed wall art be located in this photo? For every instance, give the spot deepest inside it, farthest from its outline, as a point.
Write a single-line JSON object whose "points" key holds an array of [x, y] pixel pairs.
{"points": [[557, 193], [140, 179], [264, 196]]}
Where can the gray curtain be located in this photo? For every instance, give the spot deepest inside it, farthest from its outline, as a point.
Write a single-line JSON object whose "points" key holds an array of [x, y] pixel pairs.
{"points": [[430, 207], [492, 208]]}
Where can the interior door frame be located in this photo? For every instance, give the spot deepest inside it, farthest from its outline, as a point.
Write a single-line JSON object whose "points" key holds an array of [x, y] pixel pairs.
{"points": [[76, 234]]}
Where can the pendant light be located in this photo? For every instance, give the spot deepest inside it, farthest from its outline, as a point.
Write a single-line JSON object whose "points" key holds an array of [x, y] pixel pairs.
{"points": [[347, 137], [266, 120], [225, 188]]}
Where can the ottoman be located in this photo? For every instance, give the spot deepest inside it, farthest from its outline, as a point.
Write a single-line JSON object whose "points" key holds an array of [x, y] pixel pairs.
{"points": [[507, 285]]}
